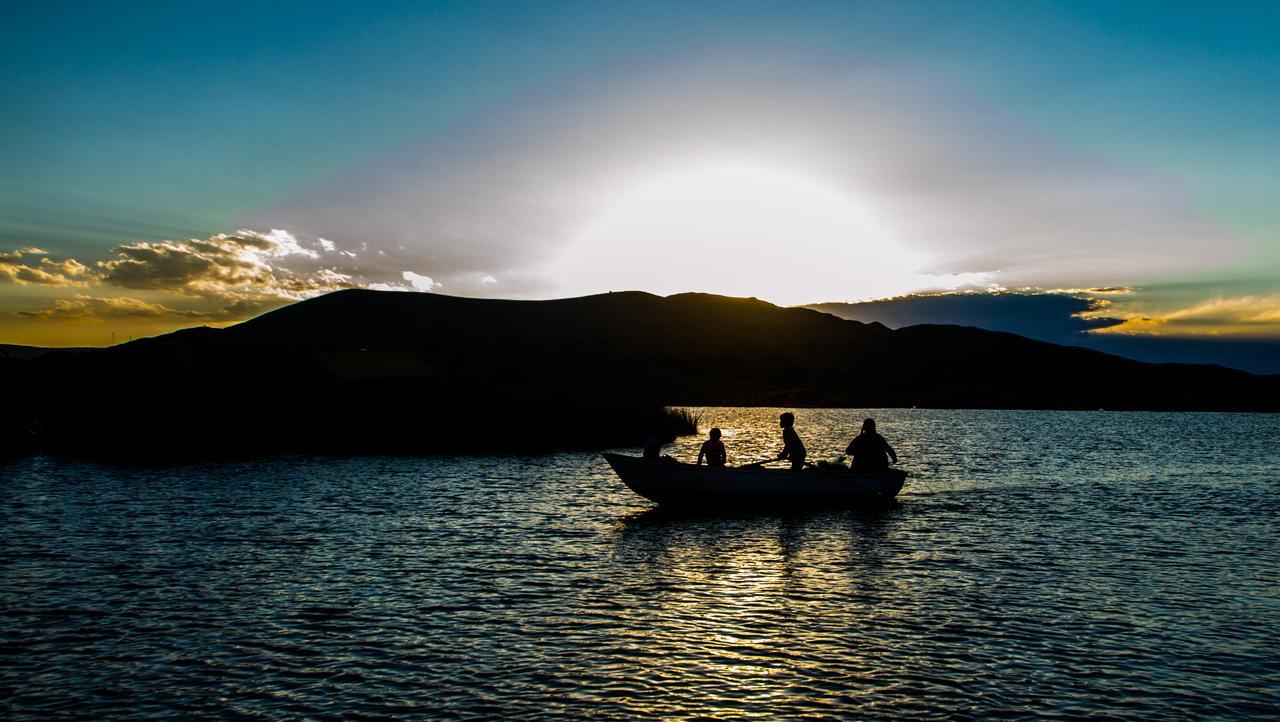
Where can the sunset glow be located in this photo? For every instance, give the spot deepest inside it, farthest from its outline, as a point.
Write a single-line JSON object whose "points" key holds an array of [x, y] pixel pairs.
{"points": [[538, 360], [743, 230], [842, 155]]}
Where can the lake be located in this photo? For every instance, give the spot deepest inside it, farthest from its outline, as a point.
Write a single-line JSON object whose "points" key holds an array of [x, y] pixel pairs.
{"points": [[1039, 565]]}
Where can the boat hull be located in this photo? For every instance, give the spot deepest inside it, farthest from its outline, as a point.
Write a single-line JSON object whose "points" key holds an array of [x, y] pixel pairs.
{"points": [[671, 483]]}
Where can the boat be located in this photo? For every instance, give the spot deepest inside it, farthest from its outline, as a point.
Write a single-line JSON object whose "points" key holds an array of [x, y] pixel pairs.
{"points": [[672, 483]]}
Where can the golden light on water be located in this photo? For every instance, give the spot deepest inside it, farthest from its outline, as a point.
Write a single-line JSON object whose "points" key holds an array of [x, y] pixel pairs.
{"points": [[715, 613], [723, 589]]}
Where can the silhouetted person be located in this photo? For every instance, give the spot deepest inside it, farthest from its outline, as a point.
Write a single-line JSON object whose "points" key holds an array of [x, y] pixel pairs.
{"points": [[653, 448], [791, 446], [713, 450], [869, 450]]}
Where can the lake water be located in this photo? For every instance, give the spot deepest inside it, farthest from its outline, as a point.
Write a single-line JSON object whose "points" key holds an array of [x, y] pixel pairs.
{"points": [[1039, 565]]}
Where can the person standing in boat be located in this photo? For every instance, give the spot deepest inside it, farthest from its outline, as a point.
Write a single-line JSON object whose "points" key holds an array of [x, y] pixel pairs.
{"points": [[869, 450], [713, 450], [792, 448]]}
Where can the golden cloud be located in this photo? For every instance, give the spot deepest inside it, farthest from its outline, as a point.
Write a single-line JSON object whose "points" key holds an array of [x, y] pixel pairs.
{"points": [[245, 262], [1240, 315], [227, 264], [39, 269], [226, 277], [91, 308]]}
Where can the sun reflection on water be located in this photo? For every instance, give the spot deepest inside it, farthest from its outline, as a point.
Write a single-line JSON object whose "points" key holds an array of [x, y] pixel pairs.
{"points": [[722, 589]]}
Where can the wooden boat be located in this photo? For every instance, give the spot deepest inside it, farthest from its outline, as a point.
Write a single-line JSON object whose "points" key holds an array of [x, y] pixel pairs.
{"points": [[672, 483]]}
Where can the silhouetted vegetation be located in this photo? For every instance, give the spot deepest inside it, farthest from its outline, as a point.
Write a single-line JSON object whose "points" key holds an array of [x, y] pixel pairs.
{"points": [[365, 371], [681, 421]]}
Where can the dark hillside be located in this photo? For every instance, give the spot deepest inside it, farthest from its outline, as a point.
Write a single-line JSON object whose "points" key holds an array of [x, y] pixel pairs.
{"points": [[403, 371]]}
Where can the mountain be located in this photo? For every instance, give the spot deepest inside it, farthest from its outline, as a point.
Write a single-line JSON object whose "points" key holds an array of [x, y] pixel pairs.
{"points": [[413, 371]]}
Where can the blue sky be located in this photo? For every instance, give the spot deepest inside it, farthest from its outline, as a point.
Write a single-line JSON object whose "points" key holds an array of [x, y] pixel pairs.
{"points": [[414, 138]]}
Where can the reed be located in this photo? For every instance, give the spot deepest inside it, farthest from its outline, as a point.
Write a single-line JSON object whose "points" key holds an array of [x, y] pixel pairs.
{"points": [[679, 421]]}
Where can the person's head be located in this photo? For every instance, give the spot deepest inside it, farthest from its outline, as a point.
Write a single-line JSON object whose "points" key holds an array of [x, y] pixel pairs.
{"points": [[787, 420], [869, 426], [715, 434]]}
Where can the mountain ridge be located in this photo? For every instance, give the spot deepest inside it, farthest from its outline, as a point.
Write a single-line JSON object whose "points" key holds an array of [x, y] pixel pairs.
{"points": [[412, 371], [623, 327]]}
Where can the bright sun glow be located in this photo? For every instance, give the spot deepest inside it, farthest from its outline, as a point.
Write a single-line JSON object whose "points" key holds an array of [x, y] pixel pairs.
{"points": [[742, 230]]}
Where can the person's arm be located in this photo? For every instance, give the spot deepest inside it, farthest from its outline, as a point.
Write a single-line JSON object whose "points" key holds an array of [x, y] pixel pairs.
{"points": [[892, 454], [701, 453]]}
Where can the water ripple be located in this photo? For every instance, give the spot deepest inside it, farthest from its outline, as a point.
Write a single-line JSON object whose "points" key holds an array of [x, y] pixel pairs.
{"points": [[1039, 565]]}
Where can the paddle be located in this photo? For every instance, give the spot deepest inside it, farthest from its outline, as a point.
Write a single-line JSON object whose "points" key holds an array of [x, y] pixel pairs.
{"points": [[758, 464]]}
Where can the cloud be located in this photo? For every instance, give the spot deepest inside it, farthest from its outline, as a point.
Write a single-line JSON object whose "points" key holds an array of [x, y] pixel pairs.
{"points": [[242, 262], [225, 277], [90, 308], [231, 265], [1251, 315], [38, 269], [419, 282]]}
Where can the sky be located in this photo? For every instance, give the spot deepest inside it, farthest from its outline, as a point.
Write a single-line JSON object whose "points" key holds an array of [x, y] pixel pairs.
{"points": [[164, 165]]}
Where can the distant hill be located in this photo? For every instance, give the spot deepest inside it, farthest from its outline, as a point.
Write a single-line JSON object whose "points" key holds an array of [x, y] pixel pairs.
{"points": [[1059, 318], [413, 371], [27, 353]]}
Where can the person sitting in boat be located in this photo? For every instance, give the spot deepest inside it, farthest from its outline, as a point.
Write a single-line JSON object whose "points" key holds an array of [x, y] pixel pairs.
{"points": [[791, 447], [713, 450], [869, 450], [653, 448]]}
